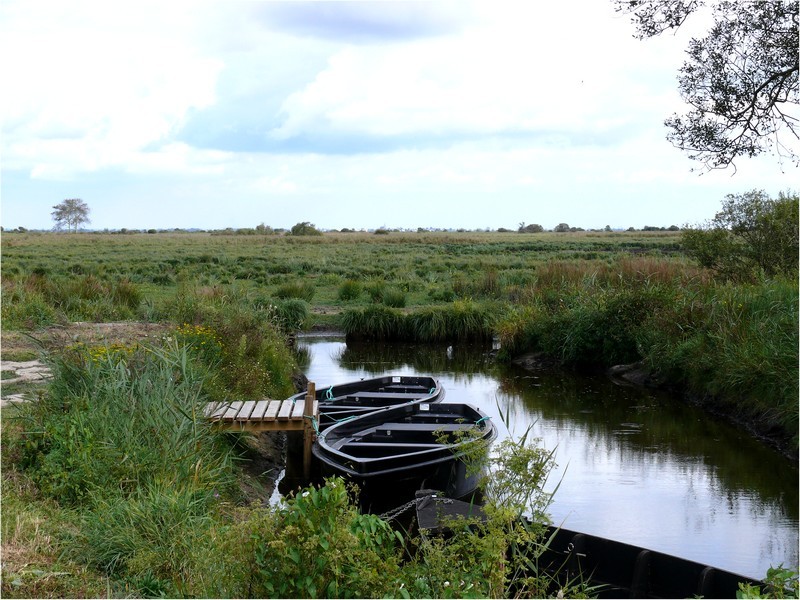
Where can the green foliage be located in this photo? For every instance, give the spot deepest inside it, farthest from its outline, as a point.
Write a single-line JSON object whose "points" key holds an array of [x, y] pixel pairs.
{"points": [[316, 545], [292, 315], [737, 343], [394, 298], [114, 424], [750, 236], [373, 323], [461, 321], [147, 537], [305, 228], [40, 299], [780, 583], [302, 290], [25, 309], [253, 360], [349, 290]]}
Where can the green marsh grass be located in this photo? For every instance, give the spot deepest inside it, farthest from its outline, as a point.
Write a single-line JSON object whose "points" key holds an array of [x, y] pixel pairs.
{"points": [[584, 298]]}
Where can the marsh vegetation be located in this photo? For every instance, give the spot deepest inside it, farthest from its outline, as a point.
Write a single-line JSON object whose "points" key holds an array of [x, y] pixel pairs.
{"points": [[75, 479]]}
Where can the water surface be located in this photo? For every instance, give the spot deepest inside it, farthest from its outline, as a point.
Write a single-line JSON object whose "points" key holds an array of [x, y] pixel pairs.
{"points": [[634, 465]]}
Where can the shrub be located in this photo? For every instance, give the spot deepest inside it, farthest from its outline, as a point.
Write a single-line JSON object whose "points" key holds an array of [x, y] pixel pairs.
{"points": [[305, 228], [319, 545], [349, 290], [255, 361], [302, 290], [752, 234], [292, 315]]}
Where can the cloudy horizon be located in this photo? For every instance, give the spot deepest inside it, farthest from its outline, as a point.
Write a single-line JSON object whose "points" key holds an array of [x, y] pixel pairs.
{"points": [[348, 114]]}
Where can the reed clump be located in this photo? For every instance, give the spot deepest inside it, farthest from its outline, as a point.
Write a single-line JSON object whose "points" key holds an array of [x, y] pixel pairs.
{"points": [[459, 321]]}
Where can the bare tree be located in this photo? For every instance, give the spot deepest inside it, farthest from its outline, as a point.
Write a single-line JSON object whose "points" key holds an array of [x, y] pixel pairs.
{"points": [[740, 81], [70, 213]]}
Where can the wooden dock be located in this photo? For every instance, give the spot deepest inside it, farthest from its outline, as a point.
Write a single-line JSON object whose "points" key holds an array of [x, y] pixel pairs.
{"points": [[271, 415]]}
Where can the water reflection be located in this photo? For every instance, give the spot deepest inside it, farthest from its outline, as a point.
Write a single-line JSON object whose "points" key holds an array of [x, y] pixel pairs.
{"points": [[635, 466]]}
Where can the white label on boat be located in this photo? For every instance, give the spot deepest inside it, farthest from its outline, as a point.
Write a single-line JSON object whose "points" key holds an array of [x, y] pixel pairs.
{"points": [[424, 406], [395, 380]]}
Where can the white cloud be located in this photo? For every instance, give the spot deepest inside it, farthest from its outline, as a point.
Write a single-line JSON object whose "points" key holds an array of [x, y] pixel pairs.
{"points": [[517, 74], [96, 83]]}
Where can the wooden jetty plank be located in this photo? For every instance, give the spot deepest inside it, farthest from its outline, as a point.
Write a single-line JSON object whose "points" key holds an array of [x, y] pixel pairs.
{"points": [[259, 410], [285, 411], [215, 410], [298, 410], [272, 410], [246, 410], [232, 411]]}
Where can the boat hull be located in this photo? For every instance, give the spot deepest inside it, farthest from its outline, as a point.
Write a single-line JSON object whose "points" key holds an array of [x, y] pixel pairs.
{"points": [[357, 398], [398, 450]]}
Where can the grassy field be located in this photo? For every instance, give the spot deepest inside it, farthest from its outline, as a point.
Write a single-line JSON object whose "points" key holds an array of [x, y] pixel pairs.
{"points": [[424, 268]]}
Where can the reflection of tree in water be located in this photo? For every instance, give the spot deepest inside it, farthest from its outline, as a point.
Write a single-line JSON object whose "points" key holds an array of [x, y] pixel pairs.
{"points": [[464, 359], [647, 426]]}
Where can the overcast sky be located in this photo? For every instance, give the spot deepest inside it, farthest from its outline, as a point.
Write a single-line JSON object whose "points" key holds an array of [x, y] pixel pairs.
{"points": [[347, 114]]}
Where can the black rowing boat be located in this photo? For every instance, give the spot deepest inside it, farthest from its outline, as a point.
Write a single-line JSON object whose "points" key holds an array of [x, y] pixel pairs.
{"points": [[615, 569], [356, 398], [398, 450]]}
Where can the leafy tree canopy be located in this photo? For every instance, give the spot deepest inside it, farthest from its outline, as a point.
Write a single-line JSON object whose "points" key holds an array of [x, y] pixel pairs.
{"points": [[752, 235], [740, 81], [70, 213], [305, 228]]}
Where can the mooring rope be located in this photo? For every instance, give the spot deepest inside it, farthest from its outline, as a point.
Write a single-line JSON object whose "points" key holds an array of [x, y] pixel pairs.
{"points": [[314, 423]]}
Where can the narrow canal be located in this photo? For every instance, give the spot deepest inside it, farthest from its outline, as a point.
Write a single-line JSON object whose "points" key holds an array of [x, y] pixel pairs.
{"points": [[634, 465]]}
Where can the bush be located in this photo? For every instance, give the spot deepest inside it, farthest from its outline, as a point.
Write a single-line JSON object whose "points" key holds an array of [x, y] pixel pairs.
{"points": [[750, 236], [302, 290], [305, 228], [349, 290], [254, 360], [292, 315]]}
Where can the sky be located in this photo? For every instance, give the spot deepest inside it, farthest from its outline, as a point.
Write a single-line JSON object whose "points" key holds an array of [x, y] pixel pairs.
{"points": [[441, 114]]}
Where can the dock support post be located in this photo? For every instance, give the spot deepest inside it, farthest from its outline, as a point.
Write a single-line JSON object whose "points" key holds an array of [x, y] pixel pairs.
{"points": [[308, 428]]}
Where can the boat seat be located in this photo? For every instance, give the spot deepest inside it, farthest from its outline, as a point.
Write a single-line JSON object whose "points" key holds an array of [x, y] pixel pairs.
{"points": [[423, 427], [391, 444], [385, 396], [414, 389]]}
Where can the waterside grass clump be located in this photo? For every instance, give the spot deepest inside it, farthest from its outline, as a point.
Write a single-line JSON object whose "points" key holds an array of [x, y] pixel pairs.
{"points": [[459, 321]]}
